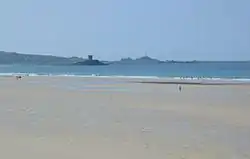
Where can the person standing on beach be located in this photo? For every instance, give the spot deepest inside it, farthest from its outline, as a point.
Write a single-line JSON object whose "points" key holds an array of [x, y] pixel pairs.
{"points": [[180, 88]]}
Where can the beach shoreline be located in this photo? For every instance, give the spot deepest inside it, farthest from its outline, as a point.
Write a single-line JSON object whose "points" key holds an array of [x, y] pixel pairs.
{"points": [[146, 79]]}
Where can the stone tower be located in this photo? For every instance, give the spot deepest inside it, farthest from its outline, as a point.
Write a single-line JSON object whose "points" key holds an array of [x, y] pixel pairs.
{"points": [[90, 57]]}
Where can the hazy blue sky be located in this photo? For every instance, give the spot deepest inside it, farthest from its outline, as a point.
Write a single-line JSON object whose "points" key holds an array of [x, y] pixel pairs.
{"points": [[169, 29]]}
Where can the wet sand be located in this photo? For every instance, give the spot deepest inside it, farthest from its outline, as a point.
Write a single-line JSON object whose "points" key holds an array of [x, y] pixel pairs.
{"points": [[66, 117]]}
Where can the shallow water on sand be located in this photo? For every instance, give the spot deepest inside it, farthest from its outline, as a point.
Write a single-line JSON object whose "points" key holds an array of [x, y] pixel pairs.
{"points": [[198, 69]]}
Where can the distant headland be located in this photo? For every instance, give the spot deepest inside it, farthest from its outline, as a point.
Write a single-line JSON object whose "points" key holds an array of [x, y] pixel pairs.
{"points": [[9, 58]]}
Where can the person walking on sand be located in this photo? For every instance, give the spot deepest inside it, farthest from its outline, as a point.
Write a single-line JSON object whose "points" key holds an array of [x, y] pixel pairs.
{"points": [[180, 88]]}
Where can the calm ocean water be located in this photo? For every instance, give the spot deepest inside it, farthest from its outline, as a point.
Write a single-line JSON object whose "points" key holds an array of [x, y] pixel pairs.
{"points": [[205, 69]]}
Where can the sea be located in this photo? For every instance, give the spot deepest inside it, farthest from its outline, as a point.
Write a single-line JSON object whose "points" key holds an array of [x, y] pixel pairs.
{"points": [[224, 70]]}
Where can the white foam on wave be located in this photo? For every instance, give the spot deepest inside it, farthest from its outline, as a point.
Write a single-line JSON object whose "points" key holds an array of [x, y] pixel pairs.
{"points": [[112, 76], [22, 74], [209, 79], [242, 79], [128, 77], [13, 74], [6, 74]]}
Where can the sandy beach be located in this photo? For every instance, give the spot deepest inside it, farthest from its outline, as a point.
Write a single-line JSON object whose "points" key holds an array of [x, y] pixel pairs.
{"points": [[118, 118]]}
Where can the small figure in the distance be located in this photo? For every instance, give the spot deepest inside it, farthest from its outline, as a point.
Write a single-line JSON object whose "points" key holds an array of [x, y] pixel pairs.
{"points": [[18, 77], [180, 88]]}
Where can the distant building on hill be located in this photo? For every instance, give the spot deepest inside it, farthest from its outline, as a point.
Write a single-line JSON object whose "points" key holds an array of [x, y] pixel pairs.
{"points": [[90, 57], [90, 61]]}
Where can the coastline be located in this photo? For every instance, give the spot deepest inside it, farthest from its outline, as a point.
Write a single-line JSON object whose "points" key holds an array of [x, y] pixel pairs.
{"points": [[144, 79]]}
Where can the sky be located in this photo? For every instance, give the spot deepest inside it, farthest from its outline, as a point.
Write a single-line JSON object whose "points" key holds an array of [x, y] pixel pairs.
{"points": [[114, 29]]}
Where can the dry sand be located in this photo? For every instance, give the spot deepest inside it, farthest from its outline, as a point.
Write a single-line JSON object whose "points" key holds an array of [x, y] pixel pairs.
{"points": [[111, 118]]}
